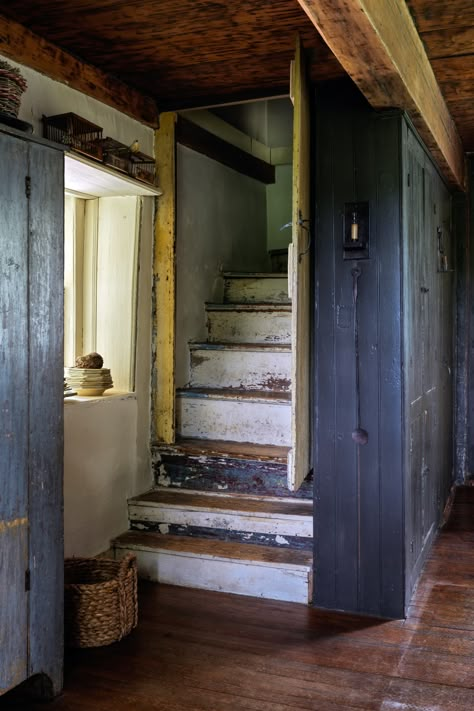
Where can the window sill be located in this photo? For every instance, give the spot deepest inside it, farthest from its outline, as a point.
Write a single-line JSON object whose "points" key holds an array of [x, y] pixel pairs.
{"points": [[106, 397]]}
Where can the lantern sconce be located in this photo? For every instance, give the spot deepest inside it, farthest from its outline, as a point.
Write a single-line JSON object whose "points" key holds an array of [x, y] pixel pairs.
{"points": [[356, 230]]}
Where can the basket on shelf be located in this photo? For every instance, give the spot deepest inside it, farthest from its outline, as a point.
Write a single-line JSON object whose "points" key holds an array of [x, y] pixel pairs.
{"points": [[12, 87], [75, 132], [100, 600]]}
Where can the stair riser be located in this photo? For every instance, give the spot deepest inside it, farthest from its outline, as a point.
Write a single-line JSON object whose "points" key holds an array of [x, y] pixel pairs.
{"points": [[252, 370], [230, 521], [249, 327], [222, 534], [234, 420], [239, 577], [214, 473], [254, 290]]}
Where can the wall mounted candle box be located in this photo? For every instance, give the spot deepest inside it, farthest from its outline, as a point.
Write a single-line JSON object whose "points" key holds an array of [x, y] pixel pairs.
{"points": [[75, 132]]}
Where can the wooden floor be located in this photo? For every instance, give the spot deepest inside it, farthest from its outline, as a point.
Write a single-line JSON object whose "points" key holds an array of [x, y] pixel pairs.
{"points": [[196, 650]]}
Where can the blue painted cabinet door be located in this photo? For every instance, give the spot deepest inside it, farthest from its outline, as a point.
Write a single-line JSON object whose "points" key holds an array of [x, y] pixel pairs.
{"points": [[14, 411]]}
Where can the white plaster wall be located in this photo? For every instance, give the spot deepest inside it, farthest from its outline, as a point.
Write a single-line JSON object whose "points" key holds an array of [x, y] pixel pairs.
{"points": [[100, 452], [106, 440], [221, 226], [47, 97]]}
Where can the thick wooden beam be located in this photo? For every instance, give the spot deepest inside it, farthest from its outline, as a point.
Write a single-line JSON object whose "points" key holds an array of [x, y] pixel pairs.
{"points": [[379, 47], [21, 45], [163, 391], [202, 141]]}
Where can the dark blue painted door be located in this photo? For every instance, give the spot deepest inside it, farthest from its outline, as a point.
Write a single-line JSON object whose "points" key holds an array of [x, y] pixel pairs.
{"points": [[14, 387]]}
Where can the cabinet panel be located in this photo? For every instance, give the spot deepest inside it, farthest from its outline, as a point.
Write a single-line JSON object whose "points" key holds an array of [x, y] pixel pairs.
{"points": [[14, 383], [46, 210]]}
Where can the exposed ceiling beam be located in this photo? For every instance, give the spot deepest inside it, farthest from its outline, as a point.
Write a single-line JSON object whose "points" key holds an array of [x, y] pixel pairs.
{"points": [[24, 47], [379, 47]]}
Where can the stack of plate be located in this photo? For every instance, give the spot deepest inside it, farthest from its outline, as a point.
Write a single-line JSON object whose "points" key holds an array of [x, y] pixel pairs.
{"points": [[88, 381]]}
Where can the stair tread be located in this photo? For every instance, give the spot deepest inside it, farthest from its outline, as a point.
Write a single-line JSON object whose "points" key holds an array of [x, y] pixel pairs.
{"points": [[272, 507], [227, 449], [205, 547], [284, 306], [221, 345], [254, 275], [236, 394]]}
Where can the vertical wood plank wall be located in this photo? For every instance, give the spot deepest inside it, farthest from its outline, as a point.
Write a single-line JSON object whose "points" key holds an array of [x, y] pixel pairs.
{"points": [[14, 414], [358, 494], [46, 248], [366, 496], [429, 318]]}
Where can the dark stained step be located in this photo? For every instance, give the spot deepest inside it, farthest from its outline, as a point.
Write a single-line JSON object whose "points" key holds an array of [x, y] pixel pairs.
{"points": [[215, 465]]}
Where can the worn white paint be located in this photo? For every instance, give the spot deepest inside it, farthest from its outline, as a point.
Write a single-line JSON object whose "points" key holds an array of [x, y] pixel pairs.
{"points": [[255, 324], [221, 226], [227, 519], [255, 288], [291, 583], [252, 368], [230, 418]]}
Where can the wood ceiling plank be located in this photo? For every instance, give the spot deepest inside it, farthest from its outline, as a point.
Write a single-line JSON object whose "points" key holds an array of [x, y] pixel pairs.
{"points": [[379, 47], [21, 45], [456, 77], [435, 15], [457, 41], [185, 48]]}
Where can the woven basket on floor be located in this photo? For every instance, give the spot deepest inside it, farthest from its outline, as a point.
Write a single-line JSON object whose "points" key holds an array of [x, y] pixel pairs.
{"points": [[100, 600]]}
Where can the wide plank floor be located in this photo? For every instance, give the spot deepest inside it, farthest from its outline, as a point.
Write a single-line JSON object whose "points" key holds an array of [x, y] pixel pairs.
{"points": [[203, 651]]}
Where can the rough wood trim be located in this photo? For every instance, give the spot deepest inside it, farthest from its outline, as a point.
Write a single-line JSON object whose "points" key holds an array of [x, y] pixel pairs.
{"points": [[164, 283], [379, 47], [202, 141], [21, 45]]}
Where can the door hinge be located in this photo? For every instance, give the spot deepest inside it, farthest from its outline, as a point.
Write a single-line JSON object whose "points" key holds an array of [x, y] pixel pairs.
{"points": [[408, 179], [27, 580], [28, 186]]}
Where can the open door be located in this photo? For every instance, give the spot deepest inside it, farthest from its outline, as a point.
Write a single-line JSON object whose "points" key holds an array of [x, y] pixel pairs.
{"points": [[299, 276]]}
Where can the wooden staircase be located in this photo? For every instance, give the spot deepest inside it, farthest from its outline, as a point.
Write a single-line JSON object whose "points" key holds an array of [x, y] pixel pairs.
{"points": [[221, 516]]}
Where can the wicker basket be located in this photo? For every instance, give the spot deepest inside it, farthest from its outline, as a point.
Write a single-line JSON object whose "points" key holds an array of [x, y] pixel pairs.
{"points": [[100, 600], [12, 87]]}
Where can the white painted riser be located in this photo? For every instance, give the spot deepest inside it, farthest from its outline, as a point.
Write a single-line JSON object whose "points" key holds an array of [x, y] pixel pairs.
{"points": [[253, 370], [249, 326], [252, 289], [301, 527], [233, 576], [235, 420]]}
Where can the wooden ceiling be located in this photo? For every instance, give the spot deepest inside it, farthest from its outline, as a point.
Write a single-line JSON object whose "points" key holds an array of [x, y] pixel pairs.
{"points": [[186, 53]]}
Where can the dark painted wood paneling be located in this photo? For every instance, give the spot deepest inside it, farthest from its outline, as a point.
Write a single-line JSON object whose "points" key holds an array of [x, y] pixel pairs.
{"points": [[428, 352], [378, 506], [358, 490], [46, 242], [14, 413], [31, 397]]}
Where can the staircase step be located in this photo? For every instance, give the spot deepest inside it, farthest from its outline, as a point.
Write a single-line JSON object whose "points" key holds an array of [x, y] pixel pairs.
{"points": [[249, 323], [218, 465], [244, 569], [251, 288], [261, 417], [273, 521], [250, 366]]}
